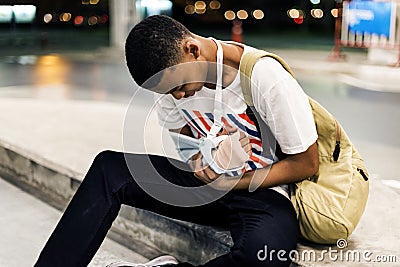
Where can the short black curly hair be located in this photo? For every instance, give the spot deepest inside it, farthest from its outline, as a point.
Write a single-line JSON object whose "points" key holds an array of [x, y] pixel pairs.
{"points": [[154, 44]]}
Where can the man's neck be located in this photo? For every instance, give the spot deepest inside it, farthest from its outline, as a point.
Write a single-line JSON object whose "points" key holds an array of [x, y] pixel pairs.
{"points": [[231, 60]]}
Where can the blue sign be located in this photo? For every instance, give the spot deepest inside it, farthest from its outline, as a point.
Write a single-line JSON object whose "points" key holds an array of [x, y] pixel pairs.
{"points": [[370, 17]]}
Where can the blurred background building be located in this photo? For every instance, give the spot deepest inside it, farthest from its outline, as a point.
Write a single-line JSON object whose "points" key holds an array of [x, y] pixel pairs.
{"points": [[260, 14], [110, 19]]}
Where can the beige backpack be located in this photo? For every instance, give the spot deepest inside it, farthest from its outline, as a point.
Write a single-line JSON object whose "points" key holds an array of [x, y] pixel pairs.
{"points": [[329, 204]]}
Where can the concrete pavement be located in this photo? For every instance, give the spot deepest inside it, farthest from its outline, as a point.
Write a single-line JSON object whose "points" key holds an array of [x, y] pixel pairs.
{"points": [[57, 140], [26, 223]]}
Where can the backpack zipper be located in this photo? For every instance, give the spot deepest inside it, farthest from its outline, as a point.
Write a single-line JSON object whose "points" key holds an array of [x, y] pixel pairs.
{"points": [[336, 152], [361, 171]]}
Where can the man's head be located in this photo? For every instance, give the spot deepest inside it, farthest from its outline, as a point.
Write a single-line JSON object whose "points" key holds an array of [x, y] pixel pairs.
{"points": [[153, 45]]}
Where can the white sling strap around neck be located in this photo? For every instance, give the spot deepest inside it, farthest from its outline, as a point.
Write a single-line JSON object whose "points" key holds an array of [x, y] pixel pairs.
{"points": [[217, 126], [211, 142]]}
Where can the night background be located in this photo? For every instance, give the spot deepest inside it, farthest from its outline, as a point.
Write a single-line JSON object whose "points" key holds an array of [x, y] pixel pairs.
{"points": [[85, 24]]}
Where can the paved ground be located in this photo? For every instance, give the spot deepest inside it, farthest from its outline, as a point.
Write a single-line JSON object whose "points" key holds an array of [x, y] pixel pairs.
{"points": [[70, 139], [26, 223]]}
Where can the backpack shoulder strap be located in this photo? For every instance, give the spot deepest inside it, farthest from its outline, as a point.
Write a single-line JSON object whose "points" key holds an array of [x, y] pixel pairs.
{"points": [[246, 67]]}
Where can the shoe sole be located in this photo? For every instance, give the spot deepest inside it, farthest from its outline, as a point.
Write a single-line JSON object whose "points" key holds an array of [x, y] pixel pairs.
{"points": [[166, 259], [157, 261]]}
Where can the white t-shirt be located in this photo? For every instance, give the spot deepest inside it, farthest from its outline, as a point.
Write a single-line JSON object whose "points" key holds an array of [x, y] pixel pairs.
{"points": [[278, 98]]}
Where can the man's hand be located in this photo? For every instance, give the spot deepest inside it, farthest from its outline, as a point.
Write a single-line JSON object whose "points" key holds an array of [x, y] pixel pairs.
{"points": [[293, 168], [201, 172], [233, 152], [223, 157]]}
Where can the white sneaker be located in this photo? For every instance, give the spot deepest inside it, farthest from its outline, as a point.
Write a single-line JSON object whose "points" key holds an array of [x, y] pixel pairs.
{"points": [[161, 261]]}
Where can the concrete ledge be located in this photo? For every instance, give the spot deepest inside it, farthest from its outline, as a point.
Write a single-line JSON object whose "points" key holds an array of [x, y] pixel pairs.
{"points": [[150, 234], [142, 231]]}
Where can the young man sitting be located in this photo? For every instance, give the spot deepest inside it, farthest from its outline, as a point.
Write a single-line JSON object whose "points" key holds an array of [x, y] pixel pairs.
{"points": [[165, 57]]}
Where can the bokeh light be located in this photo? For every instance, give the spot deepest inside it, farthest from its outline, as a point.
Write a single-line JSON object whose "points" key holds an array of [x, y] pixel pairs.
{"points": [[190, 9], [298, 20], [335, 12], [200, 11], [103, 19], [78, 20], [47, 18], [242, 14], [258, 14], [200, 5], [51, 69], [297, 15], [92, 20], [215, 4], [293, 13], [317, 13], [230, 15], [24, 13], [6, 13], [65, 17], [315, 2]]}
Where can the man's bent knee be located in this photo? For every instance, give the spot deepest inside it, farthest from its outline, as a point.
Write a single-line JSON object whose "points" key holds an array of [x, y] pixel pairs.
{"points": [[109, 165], [105, 156]]}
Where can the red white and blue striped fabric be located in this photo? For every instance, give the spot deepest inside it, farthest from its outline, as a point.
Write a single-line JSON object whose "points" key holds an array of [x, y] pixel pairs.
{"points": [[200, 124]]}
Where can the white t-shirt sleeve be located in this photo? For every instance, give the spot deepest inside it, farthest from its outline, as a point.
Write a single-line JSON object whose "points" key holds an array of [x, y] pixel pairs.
{"points": [[169, 116], [283, 105]]}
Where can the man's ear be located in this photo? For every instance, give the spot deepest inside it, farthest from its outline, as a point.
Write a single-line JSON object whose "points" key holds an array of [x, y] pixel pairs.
{"points": [[192, 47]]}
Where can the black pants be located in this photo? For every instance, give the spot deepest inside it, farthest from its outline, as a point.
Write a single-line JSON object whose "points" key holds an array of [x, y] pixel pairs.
{"points": [[258, 220]]}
